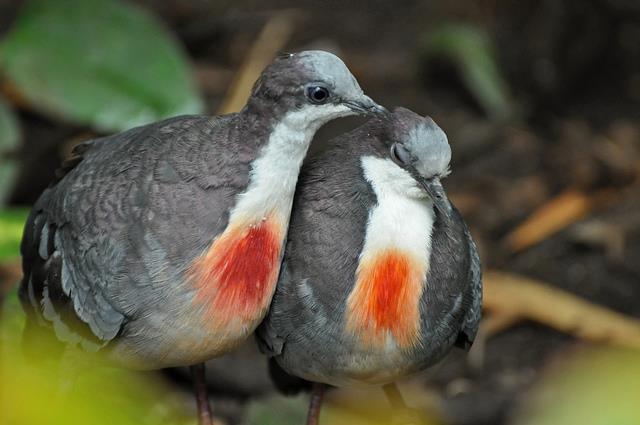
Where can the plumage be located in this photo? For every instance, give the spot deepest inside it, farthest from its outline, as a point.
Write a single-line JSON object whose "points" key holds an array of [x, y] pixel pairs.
{"points": [[136, 228], [234, 278], [160, 246], [384, 302], [379, 279]]}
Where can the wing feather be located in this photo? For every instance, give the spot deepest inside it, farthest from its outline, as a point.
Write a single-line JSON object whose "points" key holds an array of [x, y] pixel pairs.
{"points": [[110, 238]]}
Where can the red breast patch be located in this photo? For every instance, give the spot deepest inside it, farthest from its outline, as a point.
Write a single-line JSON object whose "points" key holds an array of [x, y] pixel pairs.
{"points": [[385, 299], [236, 276]]}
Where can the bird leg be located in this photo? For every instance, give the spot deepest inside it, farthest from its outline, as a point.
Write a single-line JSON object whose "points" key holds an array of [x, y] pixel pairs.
{"points": [[393, 395], [403, 415], [315, 403], [202, 397]]}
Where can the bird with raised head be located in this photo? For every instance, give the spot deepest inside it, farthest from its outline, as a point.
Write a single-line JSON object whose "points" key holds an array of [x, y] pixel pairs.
{"points": [[380, 276], [161, 246]]}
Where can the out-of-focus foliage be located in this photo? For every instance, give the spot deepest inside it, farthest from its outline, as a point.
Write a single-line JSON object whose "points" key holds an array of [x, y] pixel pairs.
{"points": [[9, 138], [283, 410], [100, 395], [278, 410], [105, 63], [375, 415], [11, 324], [601, 387], [472, 53], [11, 226]]}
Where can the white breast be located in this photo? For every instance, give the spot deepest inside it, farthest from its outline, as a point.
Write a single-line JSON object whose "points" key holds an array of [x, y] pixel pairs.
{"points": [[275, 172], [403, 217]]}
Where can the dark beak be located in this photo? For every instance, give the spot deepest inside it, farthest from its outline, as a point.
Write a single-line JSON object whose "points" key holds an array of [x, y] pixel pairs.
{"points": [[366, 105], [434, 189]]}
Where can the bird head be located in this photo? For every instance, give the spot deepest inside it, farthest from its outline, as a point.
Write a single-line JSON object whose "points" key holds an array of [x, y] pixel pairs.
{"points": [[420, 147], [316, 83]]}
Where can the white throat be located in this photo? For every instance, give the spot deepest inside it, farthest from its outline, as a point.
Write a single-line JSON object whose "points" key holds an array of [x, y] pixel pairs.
{"points": [[275, 171], [403, 217]]}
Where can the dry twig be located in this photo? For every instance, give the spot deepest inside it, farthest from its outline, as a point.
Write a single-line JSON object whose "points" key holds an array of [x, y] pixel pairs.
{"points": [[271, 40], [514, 296], [558, 213]]}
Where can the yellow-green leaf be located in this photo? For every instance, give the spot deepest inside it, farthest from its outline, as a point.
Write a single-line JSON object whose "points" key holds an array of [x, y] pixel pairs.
{"points": [[598, 387], [31, 388]]}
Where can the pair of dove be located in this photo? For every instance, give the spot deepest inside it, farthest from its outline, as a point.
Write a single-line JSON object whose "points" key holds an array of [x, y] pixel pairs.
{"points": [[169, 244]]}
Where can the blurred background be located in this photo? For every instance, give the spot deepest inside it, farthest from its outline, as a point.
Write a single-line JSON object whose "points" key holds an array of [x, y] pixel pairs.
{"points": [[541, 104]]}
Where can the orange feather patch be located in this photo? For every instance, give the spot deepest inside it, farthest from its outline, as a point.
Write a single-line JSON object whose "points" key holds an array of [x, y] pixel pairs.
{"points": [[237, 275], [385, 299]]}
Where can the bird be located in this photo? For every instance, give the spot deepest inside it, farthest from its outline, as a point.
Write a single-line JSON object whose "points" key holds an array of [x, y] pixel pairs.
{"points": [[160, 246], [380, 276]]}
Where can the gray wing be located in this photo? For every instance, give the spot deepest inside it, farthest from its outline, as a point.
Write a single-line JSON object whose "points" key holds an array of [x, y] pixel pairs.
{"points": [[474, 295], [50, 295], [127, 212]]}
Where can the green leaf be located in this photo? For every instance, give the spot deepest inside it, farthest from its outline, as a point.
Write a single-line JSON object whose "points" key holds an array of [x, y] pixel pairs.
{"points": [[9, 139], [97, 394], [472, 52], [104, 63], [11, 227], [589, 387]]}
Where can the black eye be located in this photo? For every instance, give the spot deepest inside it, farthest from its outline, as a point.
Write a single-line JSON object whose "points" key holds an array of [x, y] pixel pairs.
{"points": [[317, 94], [399, 154]]}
